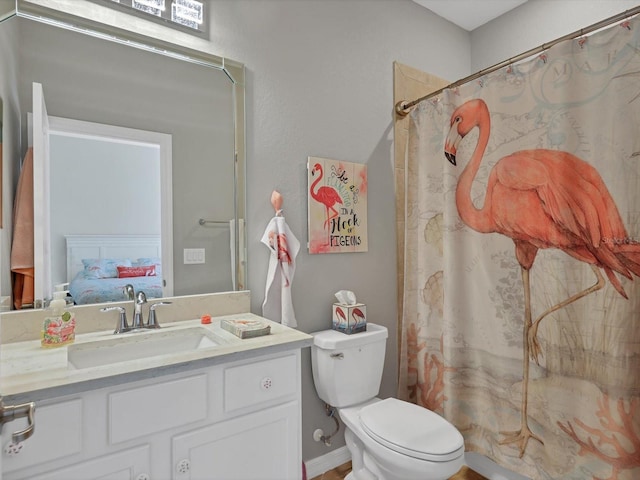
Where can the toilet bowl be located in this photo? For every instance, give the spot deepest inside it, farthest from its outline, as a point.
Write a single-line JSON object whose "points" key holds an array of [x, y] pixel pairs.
{"points": [[388, 439]]}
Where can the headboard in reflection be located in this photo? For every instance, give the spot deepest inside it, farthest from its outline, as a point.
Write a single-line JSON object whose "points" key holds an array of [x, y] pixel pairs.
{"points": [[199, 103]]}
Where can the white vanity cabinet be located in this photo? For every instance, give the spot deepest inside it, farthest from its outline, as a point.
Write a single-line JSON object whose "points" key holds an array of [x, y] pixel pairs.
{"points": [[232, 420]]}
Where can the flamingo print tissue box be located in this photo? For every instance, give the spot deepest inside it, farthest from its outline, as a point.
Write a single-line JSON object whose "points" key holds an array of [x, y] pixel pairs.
{"points": [[349, 318]]}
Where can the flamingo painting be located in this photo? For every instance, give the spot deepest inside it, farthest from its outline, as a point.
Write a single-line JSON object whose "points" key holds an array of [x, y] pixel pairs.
{"points": [[542, 199], [328, 196]]}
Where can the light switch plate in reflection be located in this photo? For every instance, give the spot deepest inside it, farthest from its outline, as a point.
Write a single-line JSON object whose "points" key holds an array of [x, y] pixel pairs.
{"points": [[193, 256]]}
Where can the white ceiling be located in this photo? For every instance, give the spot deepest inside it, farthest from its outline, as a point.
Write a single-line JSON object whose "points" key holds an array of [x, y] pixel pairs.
{"points": [[469, 14]]}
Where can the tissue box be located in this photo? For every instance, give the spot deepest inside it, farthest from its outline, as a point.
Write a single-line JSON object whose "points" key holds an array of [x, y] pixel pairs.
{"points": [[349, 318]]}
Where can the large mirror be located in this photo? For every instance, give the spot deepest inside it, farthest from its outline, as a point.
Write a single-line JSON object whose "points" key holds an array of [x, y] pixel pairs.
{"points": [[100, 77]]}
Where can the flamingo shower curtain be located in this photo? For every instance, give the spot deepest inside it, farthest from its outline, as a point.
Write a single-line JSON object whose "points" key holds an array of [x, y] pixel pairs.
{"points": [[521, 306]]}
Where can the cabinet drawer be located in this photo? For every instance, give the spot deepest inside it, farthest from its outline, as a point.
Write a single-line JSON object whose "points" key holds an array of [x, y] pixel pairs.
{"points": [[53, 422], [142, 411], [260, 382]]}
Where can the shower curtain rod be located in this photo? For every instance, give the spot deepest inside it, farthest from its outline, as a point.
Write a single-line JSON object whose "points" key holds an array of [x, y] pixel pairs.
{"points": [[403, 107]]}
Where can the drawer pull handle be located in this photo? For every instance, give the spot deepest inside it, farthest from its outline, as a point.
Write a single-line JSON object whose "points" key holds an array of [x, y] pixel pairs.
{"points": [[11, 412], [338, 356]]}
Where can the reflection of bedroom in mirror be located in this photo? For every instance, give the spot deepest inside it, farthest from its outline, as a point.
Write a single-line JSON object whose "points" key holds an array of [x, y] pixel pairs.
{"points": [[199, 105], [91, 163]]}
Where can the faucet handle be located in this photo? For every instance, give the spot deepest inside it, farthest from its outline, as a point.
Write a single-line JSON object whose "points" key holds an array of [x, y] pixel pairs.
{"points": [[122, 325], [153, 319]]}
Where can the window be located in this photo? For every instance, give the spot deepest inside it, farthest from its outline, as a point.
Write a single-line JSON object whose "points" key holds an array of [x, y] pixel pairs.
{"points": [[186, 15]]}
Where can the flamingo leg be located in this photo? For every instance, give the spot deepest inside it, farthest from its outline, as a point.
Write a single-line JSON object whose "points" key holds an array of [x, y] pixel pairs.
{"points": [[330, 216], [326, 222], [523, 435], [534, 346]]}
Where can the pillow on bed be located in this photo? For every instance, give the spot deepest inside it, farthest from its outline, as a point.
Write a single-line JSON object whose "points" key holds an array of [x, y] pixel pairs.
{"points": [[104, 267], [146, 261], [144, 271]]}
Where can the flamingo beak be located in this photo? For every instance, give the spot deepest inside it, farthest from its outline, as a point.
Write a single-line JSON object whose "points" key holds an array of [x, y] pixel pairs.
{"points": [[451, 144], [451, 157]]}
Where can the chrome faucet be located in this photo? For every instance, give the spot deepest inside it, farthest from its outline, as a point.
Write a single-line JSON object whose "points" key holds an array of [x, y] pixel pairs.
{"points": [[138, 321], [129, 291]]}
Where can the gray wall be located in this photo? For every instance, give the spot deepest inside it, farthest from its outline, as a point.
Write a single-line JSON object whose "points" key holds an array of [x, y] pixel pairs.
{"points": [[320, 83], [535, 23]]}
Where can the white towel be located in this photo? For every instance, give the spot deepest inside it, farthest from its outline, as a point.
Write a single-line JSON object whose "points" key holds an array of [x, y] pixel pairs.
{"points": [[284, 246]]}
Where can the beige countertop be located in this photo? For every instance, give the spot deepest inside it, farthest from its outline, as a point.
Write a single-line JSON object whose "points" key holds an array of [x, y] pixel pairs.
{"points": [[30, 372]]}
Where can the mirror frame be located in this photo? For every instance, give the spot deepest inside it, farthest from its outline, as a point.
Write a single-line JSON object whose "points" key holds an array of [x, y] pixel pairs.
{"points": [[60, 13]]}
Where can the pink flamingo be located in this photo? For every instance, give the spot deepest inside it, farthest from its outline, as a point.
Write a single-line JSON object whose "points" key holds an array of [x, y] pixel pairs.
{"points": [[328, 196], [278, 242], [357, 316], [341, 315], [542, 199]]}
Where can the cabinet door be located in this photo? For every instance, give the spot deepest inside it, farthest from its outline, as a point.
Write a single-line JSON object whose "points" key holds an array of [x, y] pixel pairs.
{"points": [[53, 422], [264, 445]]}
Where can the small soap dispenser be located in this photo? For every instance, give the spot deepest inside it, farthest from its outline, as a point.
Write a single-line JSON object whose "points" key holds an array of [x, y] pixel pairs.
{"points": [[59, 326]]}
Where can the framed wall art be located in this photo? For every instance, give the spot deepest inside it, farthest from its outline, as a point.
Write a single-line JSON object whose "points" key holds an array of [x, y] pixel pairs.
{"points": [[337, 206]]}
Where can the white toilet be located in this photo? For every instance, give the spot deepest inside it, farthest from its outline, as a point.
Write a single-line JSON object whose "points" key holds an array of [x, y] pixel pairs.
{"points": [[388, 439]]}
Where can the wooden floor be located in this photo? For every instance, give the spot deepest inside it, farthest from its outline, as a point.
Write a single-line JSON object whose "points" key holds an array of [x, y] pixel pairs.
{"points": [[340, 472]]}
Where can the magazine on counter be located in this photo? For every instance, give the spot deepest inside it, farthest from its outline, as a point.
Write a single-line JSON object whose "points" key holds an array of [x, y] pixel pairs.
{"points": [[246, 328]]}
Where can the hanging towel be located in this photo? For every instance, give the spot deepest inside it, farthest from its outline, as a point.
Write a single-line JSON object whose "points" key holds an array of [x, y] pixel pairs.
{"points": [[284, 246], [22, 247]]}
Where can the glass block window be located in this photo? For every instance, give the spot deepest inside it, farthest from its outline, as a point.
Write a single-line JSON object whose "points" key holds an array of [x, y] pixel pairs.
{"points": [[186, 15]]}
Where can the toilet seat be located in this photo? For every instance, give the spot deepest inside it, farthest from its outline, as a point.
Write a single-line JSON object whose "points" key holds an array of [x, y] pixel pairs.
{"points": [[412, 430]]}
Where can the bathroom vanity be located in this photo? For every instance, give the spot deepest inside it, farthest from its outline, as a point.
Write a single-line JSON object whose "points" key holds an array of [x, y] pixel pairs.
{"points": [[218, 407]]}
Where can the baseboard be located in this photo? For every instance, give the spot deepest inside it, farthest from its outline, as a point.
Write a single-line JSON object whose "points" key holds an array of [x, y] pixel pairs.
{"points": [[319, 465]]}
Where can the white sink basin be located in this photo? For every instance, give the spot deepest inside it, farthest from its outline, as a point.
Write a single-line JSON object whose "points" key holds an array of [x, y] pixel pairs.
{"points": [[139, 345]]}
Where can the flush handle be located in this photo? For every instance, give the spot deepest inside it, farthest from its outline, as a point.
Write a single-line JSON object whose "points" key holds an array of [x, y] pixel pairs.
{"points": [[338, 356], [9, 413]]}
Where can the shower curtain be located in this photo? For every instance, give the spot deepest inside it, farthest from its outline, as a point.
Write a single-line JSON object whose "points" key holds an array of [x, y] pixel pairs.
{"points": [[521, 319]]}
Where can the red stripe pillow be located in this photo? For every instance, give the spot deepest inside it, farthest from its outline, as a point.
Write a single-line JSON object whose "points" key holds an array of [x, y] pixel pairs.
{"points": [[144, 271]]}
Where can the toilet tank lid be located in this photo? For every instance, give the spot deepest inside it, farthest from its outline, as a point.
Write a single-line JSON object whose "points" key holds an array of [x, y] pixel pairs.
{"points": [[333, 339]]}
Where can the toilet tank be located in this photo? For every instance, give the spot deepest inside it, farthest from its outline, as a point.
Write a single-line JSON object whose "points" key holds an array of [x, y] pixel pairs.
{"points": [[347, 369]]}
